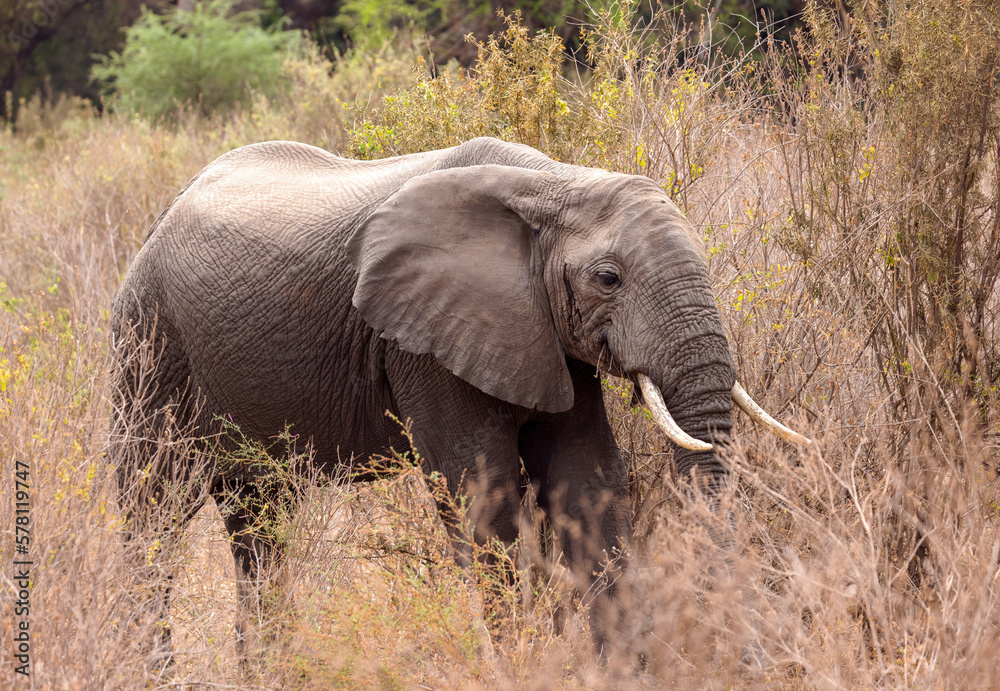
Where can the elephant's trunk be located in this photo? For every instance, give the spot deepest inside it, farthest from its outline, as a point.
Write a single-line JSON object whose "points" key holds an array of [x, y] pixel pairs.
{"points": [[697, 400]]}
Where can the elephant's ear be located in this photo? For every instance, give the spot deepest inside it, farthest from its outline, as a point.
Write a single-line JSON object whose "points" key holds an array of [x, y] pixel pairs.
{"points": [[447, 266]]}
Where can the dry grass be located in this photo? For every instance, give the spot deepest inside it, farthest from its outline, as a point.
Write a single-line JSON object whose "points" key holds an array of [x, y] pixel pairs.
{"points": [[831, 193]]}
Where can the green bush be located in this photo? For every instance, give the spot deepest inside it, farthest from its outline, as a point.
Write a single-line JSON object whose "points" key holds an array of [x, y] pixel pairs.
{"points": [[206, 57], [374, 23]]}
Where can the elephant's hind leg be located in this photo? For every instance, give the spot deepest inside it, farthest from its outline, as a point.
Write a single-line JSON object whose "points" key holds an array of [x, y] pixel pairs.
{"points": [[257, 512], [156, 450]]}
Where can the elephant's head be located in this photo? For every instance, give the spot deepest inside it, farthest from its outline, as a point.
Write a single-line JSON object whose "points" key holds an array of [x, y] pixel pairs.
{"points": [[503, 272]]}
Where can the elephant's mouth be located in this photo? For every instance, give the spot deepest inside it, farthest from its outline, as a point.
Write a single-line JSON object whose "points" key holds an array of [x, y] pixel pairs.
{"points": [[661, 415], [608, 363]]}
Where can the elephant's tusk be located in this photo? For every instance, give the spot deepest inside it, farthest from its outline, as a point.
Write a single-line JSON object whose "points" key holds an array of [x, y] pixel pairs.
{"points": [[662, 417], [758, 415]]}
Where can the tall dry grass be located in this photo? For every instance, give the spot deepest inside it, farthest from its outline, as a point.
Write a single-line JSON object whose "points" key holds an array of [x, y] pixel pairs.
{"points": [[849, 194]]}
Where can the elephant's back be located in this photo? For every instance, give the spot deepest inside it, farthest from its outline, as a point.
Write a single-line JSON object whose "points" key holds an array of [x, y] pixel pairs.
{"points": [[287, 191]]}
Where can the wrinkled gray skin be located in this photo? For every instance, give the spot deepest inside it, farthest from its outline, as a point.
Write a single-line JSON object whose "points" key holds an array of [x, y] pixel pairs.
{"points": [[476, 290]]}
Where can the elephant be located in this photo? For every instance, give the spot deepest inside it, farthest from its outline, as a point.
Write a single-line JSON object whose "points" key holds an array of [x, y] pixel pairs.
{"points": [[477, 291]]}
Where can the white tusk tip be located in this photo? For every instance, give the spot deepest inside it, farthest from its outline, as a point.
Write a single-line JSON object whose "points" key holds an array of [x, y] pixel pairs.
{"points": [[742, 399]]}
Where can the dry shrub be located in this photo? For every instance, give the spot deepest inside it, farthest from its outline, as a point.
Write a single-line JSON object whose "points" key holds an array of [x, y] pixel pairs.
{"points": [[47, 115], [513, 94], [322, 96], [880, 576], [848, 191], [54, 418]]}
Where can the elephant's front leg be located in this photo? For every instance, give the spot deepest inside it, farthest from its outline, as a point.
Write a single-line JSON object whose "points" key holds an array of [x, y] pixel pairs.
{"points": [[470, 439], [583, 486]]}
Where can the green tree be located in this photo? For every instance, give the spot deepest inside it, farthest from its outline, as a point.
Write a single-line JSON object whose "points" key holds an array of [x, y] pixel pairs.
{"points": [[205, 57]]}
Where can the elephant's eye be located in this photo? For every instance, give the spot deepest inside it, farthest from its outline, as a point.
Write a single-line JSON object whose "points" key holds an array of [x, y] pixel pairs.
{"points": [[609, 278]]}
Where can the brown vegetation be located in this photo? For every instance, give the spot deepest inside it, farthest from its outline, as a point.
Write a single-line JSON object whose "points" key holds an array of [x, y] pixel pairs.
{"points": [[849, 191]]}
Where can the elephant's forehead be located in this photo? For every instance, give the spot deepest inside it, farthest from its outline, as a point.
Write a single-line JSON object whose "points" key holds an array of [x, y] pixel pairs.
{"points": [[629, 214], [602, 196]]}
